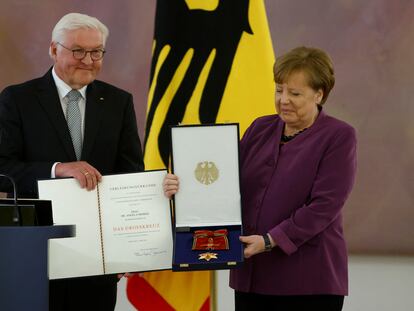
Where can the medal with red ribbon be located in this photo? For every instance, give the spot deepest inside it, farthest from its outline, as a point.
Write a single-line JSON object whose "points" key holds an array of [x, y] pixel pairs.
{"points": [[210, 240]]}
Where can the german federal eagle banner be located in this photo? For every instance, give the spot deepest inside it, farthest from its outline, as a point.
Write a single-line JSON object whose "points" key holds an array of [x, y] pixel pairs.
{"points": [[212, 63]]}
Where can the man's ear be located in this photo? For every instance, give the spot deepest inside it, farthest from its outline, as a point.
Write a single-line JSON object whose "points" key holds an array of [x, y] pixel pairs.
{"points": [[53, 50]]}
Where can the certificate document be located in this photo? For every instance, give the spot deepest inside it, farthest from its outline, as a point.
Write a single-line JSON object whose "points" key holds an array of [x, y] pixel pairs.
{"points": [[206, 160], [124, 225]]}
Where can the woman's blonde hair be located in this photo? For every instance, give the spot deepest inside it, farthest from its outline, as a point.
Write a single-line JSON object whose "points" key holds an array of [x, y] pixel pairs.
{"points": [[314, 63]]}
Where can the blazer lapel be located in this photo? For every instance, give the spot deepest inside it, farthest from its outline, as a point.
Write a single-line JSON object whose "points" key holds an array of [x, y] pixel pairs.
{"points": [[93, 114], [49, 100]]}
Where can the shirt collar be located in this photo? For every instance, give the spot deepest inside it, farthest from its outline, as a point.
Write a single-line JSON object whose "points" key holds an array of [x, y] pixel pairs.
{"points": [[63, 89]]}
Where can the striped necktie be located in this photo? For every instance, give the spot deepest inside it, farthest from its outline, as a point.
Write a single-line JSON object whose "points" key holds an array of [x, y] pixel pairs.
{"points": [[74, 119]]}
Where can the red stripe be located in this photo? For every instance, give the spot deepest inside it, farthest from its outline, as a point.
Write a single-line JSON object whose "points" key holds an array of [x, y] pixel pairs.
{"points": [[206, 305], [144, 297]]}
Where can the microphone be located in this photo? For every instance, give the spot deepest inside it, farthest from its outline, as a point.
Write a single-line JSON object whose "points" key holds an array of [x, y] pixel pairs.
{"points": [[17, 213]]}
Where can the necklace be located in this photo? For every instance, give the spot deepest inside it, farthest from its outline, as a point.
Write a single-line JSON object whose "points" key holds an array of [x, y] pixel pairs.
{"points": [[287, 138]]}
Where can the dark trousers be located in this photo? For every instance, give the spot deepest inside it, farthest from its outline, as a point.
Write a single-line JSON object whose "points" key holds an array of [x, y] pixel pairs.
{"points": [[258, 302], [88, 293]]}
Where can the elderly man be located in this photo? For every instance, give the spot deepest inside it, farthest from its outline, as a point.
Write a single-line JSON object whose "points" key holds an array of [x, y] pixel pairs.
{"points": [[67, 124]]}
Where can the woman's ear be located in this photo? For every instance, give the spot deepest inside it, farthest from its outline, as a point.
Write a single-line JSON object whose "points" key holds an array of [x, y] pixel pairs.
{"points": [[319, 96]]}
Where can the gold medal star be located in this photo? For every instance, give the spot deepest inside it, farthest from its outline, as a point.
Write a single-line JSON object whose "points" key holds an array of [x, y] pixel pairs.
{"points": [[207, 256]]}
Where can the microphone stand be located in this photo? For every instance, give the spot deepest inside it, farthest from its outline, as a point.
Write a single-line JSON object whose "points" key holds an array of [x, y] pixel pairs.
{"points": [[17, 213]]}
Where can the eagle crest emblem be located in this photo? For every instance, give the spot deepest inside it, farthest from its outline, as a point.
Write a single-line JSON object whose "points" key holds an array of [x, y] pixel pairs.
{"points": [[206, 172]]}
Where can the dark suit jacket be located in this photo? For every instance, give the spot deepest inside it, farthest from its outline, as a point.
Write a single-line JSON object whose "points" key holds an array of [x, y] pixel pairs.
{"points": [[34, 133]]}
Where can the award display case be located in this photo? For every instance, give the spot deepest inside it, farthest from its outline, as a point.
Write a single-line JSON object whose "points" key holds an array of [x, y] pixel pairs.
{"points": [[207, 208]]}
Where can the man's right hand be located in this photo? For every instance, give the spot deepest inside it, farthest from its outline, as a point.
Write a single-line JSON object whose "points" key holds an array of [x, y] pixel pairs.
{"points": [[87, 176]]}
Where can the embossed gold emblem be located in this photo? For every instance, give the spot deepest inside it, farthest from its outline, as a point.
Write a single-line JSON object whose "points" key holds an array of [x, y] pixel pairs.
{"points": [[206, 172]]}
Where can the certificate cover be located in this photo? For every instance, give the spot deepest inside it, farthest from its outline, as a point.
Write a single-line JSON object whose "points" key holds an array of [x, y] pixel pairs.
{"points": [[124, 225], [207, 207]]}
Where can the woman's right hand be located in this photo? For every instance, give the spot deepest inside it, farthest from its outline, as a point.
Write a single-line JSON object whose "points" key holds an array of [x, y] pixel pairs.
{"points": [[170, 185]]}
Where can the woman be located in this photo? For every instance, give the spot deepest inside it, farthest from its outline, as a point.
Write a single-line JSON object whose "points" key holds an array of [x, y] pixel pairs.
{"points": [[297, 170]]}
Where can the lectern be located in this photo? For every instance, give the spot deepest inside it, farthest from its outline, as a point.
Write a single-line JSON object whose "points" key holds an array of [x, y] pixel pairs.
{"points": [[24, 283]]}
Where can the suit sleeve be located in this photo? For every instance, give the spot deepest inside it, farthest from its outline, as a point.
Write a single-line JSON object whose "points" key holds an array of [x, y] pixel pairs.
{"points": [[331, 188], [129, 157], [12, 160]]}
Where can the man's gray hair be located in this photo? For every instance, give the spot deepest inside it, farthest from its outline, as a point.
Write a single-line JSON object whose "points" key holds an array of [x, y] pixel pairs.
{"points": [[73, 21]]}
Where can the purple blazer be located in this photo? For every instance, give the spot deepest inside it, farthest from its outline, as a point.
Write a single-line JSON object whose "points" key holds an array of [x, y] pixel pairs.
{"points": [[296, 193]]}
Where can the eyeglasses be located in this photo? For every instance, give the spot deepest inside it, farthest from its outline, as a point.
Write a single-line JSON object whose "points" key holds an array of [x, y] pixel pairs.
{"points": [[80, 54]]}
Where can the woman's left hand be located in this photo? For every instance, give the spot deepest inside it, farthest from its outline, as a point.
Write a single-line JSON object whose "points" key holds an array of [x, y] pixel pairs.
{"points": [[254, 244]]}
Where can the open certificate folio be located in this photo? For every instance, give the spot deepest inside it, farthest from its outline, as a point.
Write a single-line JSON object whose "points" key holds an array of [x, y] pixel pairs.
{"points": [[124, 225]]}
